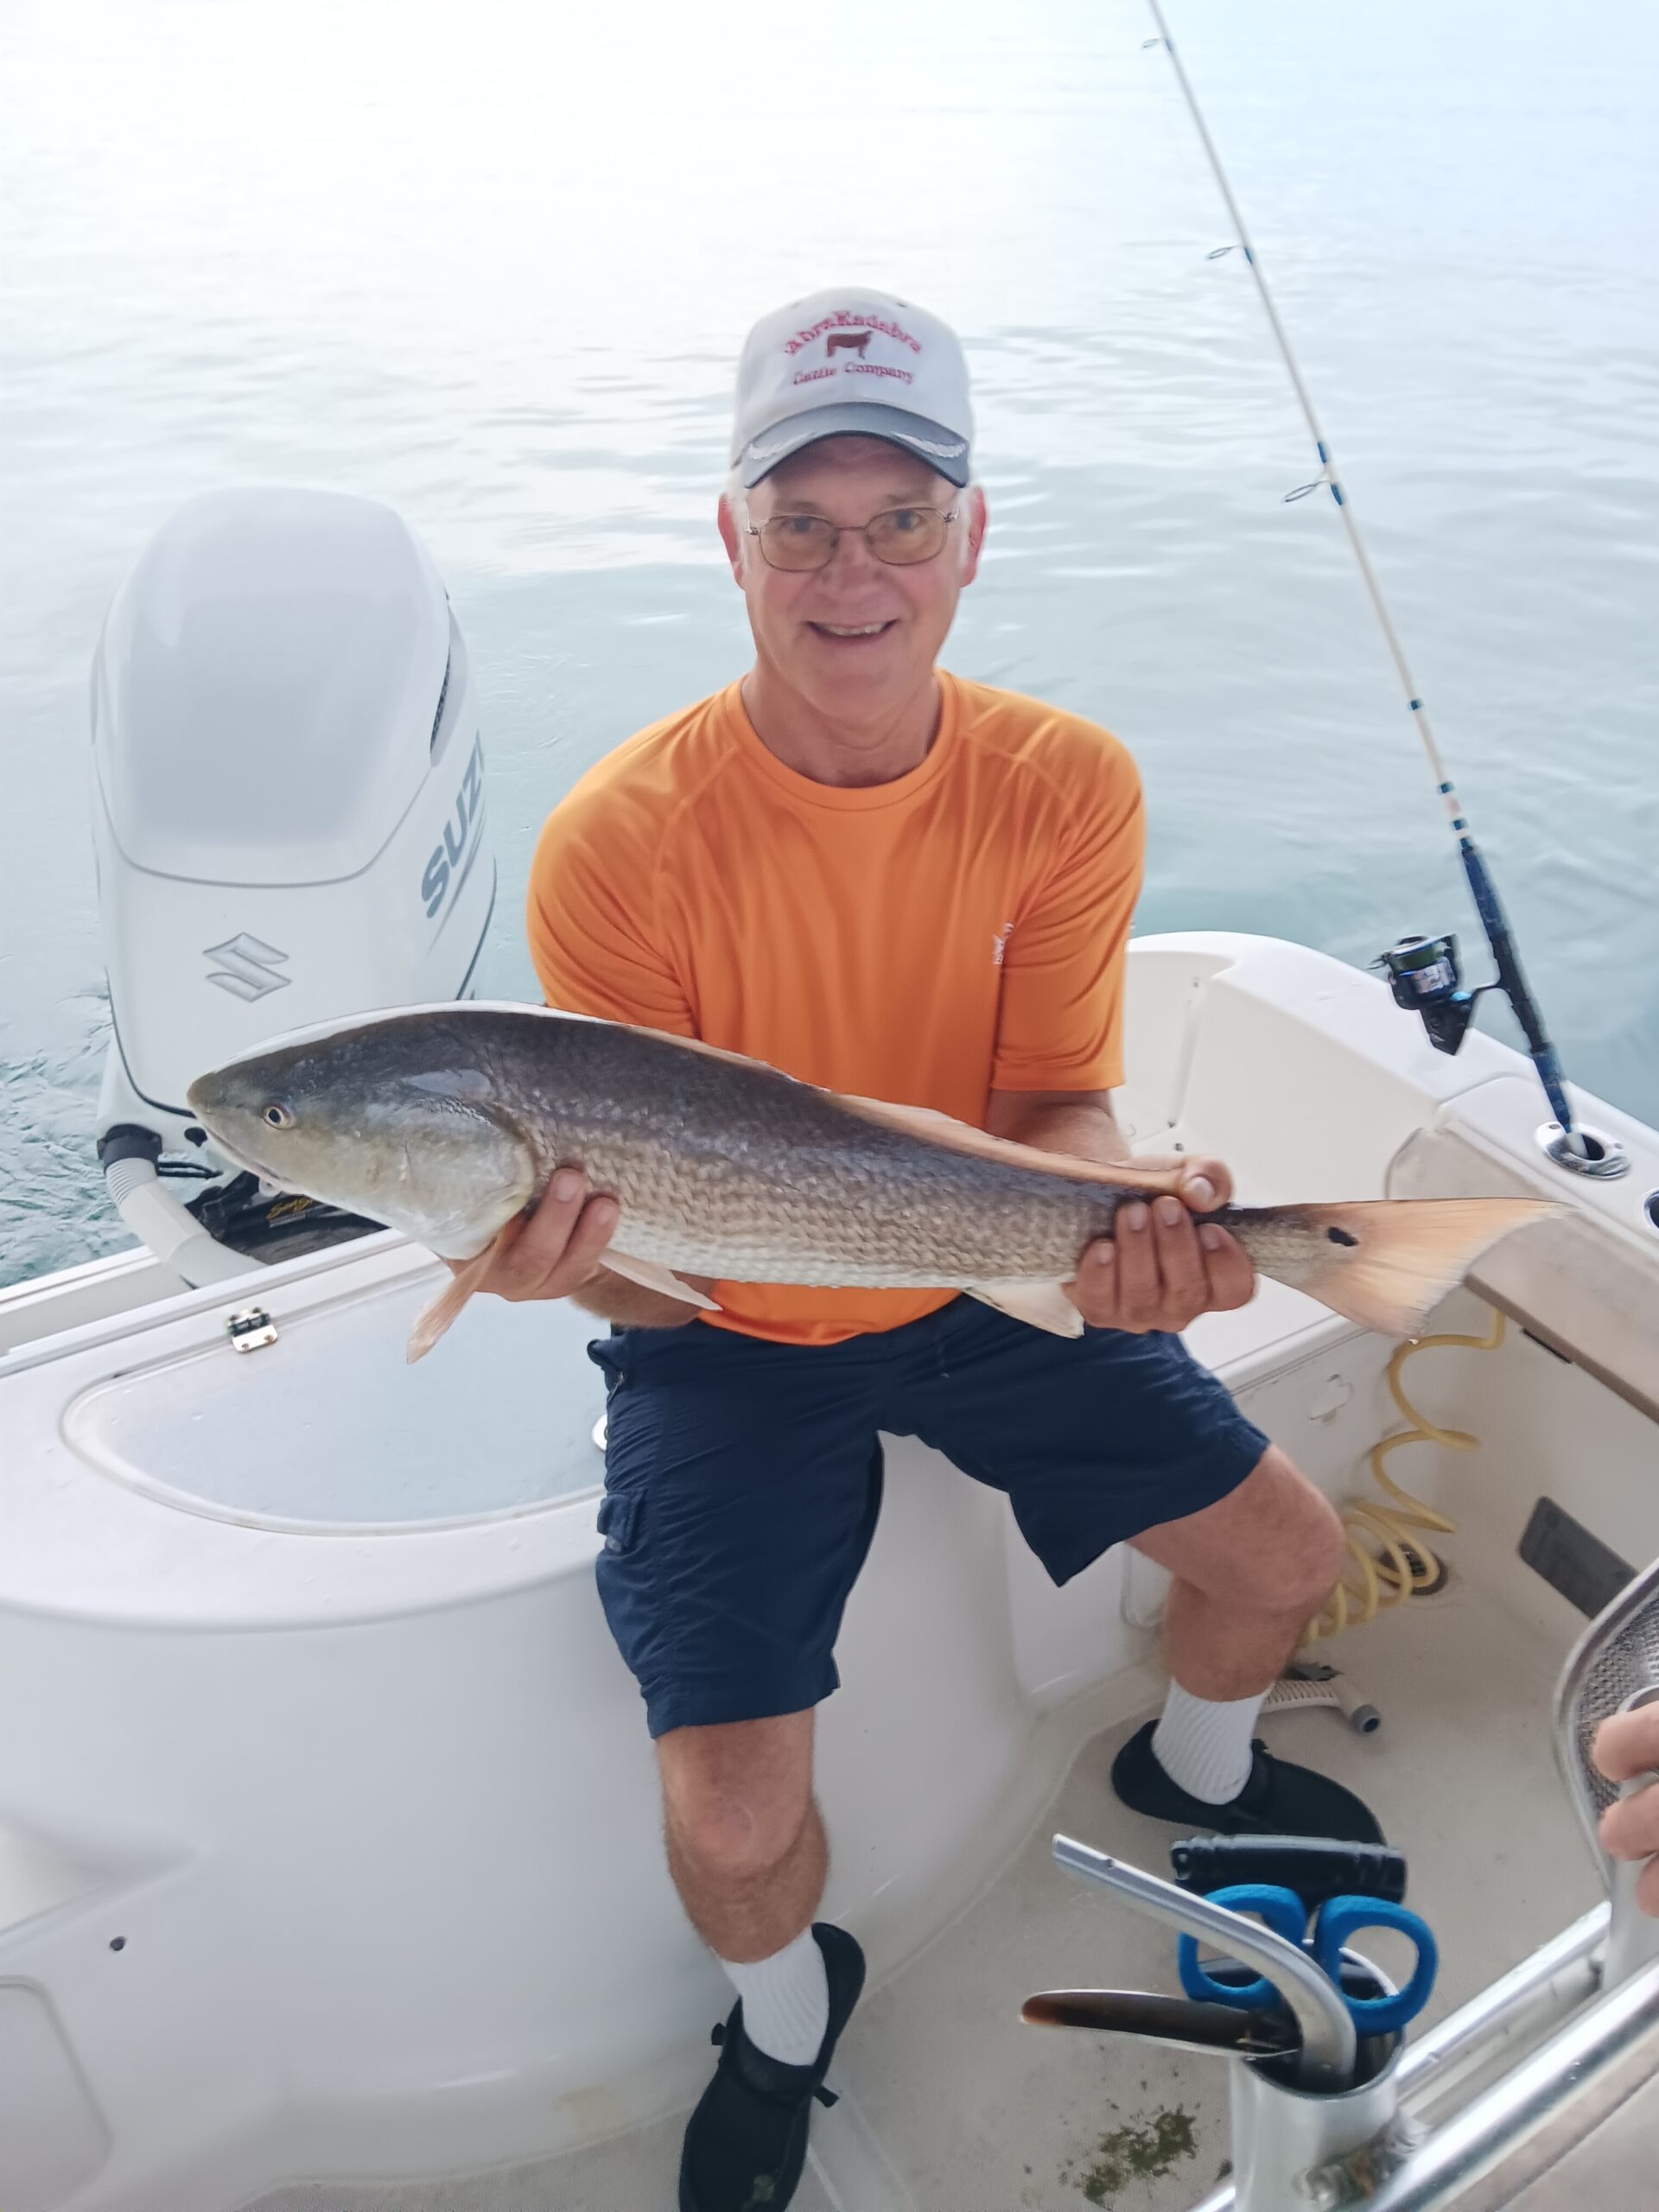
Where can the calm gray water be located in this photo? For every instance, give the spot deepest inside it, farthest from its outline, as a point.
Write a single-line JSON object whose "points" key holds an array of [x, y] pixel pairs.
{"points": [[493, 265]]}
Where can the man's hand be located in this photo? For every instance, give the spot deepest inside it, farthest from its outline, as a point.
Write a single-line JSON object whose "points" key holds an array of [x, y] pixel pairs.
{"points": [[1161, 1269], [1625, 1746], [556, 1247]]}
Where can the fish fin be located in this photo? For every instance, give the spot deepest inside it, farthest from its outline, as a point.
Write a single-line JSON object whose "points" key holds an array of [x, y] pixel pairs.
{"points": [[713, 1051], [650, 1276], [434, 1320], [1394, 1259], [1044, 1305], [962, 1136]]}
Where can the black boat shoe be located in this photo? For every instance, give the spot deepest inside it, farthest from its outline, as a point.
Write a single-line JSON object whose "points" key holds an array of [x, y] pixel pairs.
{"points": [[1279, 1799], [746, 2143]]}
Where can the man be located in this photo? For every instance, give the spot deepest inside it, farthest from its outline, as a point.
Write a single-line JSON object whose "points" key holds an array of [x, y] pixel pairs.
{"points": [[889, 881]]}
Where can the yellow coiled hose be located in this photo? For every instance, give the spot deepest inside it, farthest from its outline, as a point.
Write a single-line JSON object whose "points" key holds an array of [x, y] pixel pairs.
{"points": [[1387, 1558]]}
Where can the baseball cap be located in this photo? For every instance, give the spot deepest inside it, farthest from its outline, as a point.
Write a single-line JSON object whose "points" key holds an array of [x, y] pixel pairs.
{"points": [[852, 361]]}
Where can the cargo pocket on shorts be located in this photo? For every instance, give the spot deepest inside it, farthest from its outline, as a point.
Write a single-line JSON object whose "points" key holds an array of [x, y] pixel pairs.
{"points": [[609, 1354], [619, 1520]]}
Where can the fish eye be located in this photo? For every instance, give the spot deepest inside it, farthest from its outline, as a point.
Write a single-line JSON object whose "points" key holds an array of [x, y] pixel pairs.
{"points": [[278, 1115]]}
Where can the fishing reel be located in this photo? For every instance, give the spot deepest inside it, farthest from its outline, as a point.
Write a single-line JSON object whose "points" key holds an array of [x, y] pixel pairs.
{"points": [[1426, 977]]}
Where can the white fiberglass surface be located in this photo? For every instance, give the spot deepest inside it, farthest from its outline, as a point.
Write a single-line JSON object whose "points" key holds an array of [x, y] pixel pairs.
{"points": [[950, 2104], [330, 1425]]}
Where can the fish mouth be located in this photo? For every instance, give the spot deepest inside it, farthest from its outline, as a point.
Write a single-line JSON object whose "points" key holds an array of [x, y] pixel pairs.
{"points": [[238, 1159], [209, 1121]]}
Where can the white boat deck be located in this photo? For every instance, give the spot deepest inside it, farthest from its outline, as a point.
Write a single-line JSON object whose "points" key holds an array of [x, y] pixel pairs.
{"points": [[337, 1870], [951, 2105]]}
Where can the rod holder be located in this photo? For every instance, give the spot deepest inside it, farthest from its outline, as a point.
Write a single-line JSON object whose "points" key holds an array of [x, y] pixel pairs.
{"points": [[1604, 1159], [1291, 2147], [1329, 2045]]}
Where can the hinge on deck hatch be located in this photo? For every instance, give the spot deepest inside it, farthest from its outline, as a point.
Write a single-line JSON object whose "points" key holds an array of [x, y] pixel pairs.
{"points": [[249, 1328]]}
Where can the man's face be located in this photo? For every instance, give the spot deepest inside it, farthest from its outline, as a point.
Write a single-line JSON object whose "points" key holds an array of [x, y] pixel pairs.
{"points": [[857, 638]]}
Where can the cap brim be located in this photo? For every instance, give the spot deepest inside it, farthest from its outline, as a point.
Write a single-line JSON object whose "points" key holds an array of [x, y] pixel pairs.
{"points": [[942, 450]]}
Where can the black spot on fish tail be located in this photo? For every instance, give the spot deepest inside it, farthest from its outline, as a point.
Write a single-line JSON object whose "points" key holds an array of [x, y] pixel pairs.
{"points": [[1340, 1236]]}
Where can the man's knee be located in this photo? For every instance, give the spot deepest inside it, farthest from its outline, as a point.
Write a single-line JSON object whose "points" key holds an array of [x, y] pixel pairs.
{"points": [[1292, 1559], [1274, 1544], [1318, 1562], [736, 1796]]}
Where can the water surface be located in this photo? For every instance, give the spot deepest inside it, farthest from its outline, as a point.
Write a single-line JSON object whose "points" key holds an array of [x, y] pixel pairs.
{"points": [[494, 267]]}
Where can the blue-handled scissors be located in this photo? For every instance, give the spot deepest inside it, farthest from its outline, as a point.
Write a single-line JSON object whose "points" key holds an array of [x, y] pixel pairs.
{"points": [[1338, 1918]]}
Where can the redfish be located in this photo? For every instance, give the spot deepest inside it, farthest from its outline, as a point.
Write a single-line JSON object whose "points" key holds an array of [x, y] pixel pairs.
{"points": [[447, 1121]]}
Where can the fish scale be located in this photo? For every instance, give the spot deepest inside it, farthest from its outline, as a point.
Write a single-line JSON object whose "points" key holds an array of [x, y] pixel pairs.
{"points": [[777, 1181]]}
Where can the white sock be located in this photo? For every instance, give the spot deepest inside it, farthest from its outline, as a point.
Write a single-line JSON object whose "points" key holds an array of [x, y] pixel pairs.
{"points": [[1204, 1745], [786, 2000]]}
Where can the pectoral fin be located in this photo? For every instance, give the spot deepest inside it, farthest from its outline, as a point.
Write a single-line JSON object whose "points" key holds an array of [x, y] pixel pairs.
{"points": [[650, 1276], [432, 1320], [1044, 1305]]}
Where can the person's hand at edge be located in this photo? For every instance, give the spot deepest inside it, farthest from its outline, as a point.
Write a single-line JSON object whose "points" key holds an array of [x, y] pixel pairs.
{"points": [[1625, 1745]]}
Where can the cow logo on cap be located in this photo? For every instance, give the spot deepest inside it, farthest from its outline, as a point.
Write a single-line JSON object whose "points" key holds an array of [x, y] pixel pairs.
{"points": [[850, 328], [846, 350]]}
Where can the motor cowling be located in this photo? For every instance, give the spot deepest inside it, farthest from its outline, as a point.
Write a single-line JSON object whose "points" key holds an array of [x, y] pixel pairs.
{"points": [[288, 802]]}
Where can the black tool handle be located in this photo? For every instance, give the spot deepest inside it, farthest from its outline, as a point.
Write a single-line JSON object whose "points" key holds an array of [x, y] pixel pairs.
{"points": [[1313, 1866]]}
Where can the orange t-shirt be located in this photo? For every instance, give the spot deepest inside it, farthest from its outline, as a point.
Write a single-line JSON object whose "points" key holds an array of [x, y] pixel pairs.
{"points": [[959, 929]]}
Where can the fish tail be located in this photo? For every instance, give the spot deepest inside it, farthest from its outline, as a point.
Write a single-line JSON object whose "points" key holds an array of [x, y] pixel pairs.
{"points": [[1385, 1263]]}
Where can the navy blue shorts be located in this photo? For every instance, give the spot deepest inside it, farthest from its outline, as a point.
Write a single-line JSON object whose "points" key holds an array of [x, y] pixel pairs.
{"points": [[743, 1478]]}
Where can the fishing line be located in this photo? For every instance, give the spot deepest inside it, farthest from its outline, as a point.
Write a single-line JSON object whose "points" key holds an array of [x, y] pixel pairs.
{"points": [[1423, 972]]}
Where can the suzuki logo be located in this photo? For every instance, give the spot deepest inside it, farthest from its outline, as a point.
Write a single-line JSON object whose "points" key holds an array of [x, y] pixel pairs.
{"points": [[246, 968], [444, 870]]}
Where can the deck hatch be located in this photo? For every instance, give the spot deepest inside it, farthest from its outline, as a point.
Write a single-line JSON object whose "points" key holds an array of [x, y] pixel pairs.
{"points": [[1574, 1562]]}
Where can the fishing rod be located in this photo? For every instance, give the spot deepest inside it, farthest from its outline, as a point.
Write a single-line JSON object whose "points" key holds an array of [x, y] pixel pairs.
{"points": [[1424, 973]]}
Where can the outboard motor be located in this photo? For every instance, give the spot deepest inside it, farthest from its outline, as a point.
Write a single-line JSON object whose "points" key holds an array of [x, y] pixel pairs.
{"points": [[288, 820]]}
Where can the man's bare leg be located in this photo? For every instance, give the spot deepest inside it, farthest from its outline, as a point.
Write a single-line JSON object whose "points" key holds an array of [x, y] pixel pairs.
{"points": [[1249, 1573], [746, 1847], [746, 1843], [746, 1850]]}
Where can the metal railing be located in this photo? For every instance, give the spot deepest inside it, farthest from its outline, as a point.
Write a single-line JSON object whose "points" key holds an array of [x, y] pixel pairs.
{"points": [[1503, 2090]]}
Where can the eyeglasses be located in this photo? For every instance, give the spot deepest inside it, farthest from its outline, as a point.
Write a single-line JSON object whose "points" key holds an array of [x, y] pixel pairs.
{"points": [[902, 536]]}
